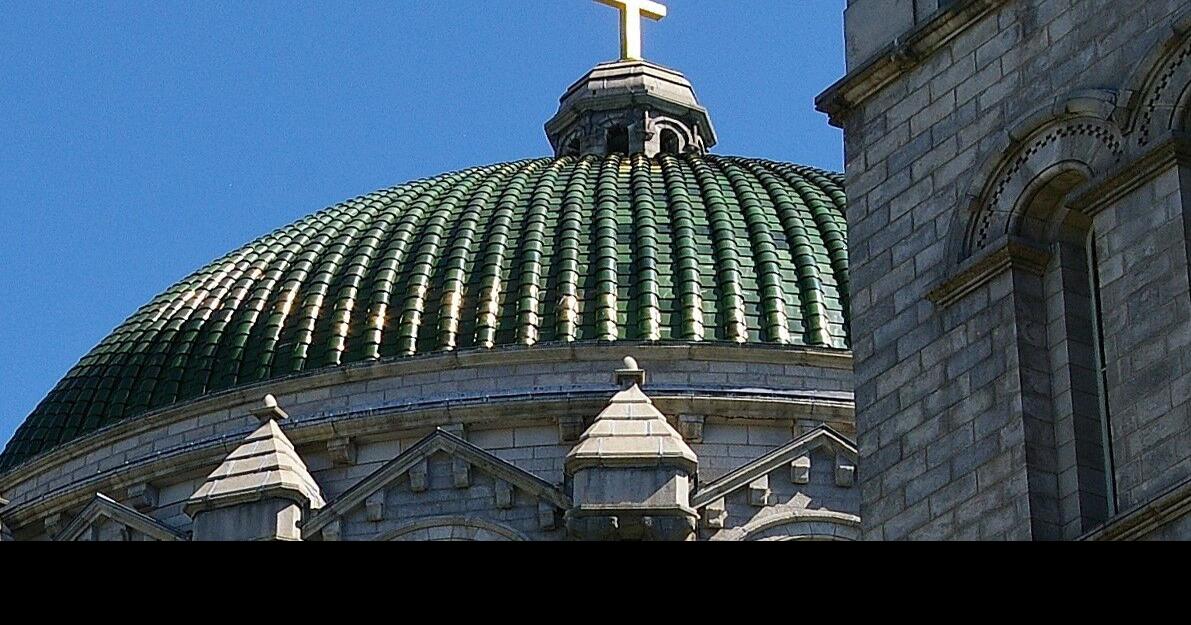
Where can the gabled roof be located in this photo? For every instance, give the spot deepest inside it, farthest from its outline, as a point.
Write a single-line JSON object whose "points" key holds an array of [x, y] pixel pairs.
{"points": [[102, 506], [822, 436], [630, 431], [439, 441], [264, 465]]}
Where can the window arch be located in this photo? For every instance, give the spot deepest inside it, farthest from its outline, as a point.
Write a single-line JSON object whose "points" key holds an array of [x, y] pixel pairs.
{"points": [[618, 140], [670, 142], [1060, 341]]}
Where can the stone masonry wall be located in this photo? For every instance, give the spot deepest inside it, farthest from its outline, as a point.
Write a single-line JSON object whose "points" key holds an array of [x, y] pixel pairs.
{"points": [[953, 439]]}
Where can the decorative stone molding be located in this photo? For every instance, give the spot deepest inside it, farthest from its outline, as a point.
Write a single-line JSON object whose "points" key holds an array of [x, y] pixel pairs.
{"points": [[547, 515], [454, 527], [901, 56], [1168, 506], [822, 437], [980, 271], [796, 525], [1174, 149], [570, 428], [103, 507], [800, 469], [759, 493], [460, 473], [53, 524], [419, 475], [318, 427], [691, 427], [374, 506], [503, 495], [1087, 140], [342, 451], [1162, 86], [142, 497], [414, 461], [715, 514], [845, 472], [333, 531], [199, 457], [5, 535]]}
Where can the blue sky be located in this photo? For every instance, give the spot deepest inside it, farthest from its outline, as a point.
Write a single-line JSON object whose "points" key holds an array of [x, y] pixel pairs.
{"points": [[141, 139]]}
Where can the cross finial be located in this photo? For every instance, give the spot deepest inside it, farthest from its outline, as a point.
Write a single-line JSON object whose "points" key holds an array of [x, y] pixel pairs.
{"points": [[631, 12]]}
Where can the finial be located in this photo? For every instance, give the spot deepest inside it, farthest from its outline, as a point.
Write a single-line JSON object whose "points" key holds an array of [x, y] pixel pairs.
{"points": [[629, 374], [631, 12], [268, 409]]}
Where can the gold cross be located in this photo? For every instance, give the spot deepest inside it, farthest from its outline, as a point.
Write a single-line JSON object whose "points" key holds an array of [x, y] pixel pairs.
{"points": [[631, 12]]}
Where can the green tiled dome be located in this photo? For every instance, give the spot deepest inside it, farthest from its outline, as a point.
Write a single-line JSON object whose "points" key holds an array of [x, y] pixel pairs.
{"points": [[692, 248]]}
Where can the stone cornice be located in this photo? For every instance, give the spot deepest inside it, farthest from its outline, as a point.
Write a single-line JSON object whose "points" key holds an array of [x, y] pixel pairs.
{"points": [[201, 456], [442, 441], [102, 505], [978, 271], [900, 56], [1140, 521], [741, 476], [238, 398], [1129, 176]]}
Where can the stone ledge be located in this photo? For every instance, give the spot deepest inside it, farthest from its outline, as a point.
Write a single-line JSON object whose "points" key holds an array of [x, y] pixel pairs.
{"points": [[198, 457], [1134, 524], [1175, 149], [976, 272], [228, 402], [899, 57]]}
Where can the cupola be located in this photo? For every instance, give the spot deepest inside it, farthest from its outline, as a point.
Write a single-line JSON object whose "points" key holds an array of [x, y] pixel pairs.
{"points": [[631, 106]]}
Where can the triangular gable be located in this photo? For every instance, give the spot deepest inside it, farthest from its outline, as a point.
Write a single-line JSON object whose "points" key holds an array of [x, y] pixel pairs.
{"points": [[439, 441], [739, 478], [104, 507]]}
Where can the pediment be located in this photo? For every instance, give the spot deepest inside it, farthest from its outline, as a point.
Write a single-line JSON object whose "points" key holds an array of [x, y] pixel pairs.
{"points": [[103, 508], [412, 464], [782, 458]]}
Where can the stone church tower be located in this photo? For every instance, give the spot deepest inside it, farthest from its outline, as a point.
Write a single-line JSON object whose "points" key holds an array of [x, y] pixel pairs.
{"points": [[1019, 213]]}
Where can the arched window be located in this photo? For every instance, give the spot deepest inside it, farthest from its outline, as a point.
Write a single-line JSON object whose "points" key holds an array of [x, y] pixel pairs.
{"points": [[618, 140], [1073, 350], [670, 142], [572, 147]]}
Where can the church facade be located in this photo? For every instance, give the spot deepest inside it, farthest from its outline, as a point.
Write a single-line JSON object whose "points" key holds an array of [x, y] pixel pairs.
{"points": [[1019, 187]]}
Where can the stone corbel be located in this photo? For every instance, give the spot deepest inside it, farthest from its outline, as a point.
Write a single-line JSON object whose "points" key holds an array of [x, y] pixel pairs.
{"points": [[342, 451], [461, 472], [570, 428], [715, 514], [759, 493], [547, 516], [333, 531], [142, 497], [845, 472], [418, 476], [800, 470], [504, 495], [691, 427], [374, 506], [53, 524], [5, 535]]}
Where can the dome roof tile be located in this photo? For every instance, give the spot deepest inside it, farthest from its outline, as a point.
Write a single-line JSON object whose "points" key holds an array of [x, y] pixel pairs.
{"points": [[690, 248]]}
